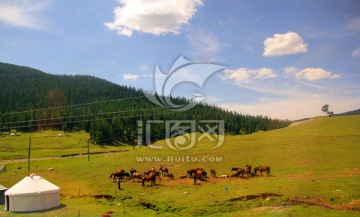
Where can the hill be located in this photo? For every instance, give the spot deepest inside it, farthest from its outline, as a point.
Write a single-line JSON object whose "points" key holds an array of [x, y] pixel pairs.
{"points": [[32, 100], [355, 112], [314, 166]]}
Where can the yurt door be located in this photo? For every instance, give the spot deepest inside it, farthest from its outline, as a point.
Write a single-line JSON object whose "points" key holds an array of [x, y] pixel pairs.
{"points": [[7, 202]]}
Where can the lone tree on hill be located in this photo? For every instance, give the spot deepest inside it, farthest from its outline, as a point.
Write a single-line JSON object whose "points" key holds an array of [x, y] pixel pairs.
{"points": [[325, 109]]}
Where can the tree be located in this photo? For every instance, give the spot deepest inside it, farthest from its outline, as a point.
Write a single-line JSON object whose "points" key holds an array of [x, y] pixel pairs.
{"points": [[325, 109]]}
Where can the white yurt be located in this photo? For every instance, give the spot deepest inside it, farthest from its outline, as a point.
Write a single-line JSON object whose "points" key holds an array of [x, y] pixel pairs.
{"points": [[33, 193]]}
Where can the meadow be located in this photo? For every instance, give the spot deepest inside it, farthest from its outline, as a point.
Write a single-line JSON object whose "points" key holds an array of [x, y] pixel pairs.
{"points": [[315, 167]]}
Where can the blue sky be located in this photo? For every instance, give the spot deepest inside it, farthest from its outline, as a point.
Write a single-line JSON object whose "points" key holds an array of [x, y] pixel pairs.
{"points": [[283, 59]]}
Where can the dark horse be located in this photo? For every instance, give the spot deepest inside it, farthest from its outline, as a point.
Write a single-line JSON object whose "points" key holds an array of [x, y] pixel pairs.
{"points": [[119, 174], [239, 171], [213, 173], [164, 170], [132, 171], [151, 178], [200, 174], [190, 172], [248, 170], [262, 169]]}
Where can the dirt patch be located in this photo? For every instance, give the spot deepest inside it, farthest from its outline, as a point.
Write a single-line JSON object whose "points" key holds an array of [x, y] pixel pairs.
{"points": [[255, 196], [104, 196], [321, 202]]}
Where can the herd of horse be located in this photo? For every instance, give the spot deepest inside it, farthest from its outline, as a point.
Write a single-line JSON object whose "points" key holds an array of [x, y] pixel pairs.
{"points": [[195, 173]]}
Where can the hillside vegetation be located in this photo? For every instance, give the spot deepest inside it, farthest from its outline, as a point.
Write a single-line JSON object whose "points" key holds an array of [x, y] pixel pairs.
{"points": [[32, 100], [314, 166]]}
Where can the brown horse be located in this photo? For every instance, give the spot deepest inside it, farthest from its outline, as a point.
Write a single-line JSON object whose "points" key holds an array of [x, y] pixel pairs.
{"points": [[119, 174], [248, 170], [262, 169], [212, 172], [200, 174], [137, 176], [239, 171], [190, 172], [151, 178], [164, 170]]}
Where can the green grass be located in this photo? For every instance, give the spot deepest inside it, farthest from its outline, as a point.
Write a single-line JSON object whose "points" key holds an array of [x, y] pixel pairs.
{"points": [[317, 160]]}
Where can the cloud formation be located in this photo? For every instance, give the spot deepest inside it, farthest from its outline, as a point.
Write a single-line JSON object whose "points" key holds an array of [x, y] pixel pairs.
{"points": [[158, 17], [284, 44], [312, 74], [244, 74], [23, 14], [129, 76]]}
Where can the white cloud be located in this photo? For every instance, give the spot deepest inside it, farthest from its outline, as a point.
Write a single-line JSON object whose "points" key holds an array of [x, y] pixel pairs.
{"points": [[335, 76], [312, 74], [356, 53], [244, 74], [157, 17], [129, 76], [284, 44], [24, 14]]}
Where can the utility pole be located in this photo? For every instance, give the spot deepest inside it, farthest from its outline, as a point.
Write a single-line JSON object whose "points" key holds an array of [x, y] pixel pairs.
{"points": [[89, 150], [29, 153]]}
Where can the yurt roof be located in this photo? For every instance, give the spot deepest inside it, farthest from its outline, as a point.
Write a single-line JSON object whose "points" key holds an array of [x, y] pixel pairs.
{"points": [[2, 188], [31, 185]]}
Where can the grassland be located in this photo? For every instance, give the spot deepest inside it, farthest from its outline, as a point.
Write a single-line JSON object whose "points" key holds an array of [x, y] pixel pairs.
{"points": [[315, 172]]}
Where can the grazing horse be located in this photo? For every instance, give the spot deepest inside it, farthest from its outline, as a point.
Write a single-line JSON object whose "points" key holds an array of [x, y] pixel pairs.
{"points": [[190, 172], [164, 170], [151, 178], [137, 176], [171, 176], [132, 171], [239, 171], [262, 169], [248, 170], [200, 174], [213, 173], [119, 174]]}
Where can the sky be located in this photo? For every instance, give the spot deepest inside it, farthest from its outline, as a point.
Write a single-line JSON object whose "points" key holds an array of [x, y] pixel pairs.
{"points": [[282, 59]]}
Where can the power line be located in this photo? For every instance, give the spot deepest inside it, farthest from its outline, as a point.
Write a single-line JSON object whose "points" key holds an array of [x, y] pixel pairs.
{"points": [[74, 105], [89, 120], [76, 116]]}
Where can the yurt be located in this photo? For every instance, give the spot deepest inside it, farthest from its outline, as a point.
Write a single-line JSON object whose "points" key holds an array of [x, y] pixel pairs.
{"points": [[33, 193], [2, 191]]}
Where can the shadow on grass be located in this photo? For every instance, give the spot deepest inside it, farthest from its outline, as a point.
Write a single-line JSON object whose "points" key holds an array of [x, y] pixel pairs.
{"points": [[41, 211]]}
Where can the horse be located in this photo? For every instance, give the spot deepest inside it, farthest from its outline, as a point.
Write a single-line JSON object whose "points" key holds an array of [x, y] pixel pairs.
{"points": [[117, 173], [164, 170], [248, 170], [213, 173], [137, 176], [200, 174], [132, 171], [239, 171], [262, 169], [191, 171], [151, 178], [171, 176]]}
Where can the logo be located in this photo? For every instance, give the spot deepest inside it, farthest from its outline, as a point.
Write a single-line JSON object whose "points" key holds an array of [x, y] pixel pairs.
{"points": [[181, 134], [181, 71]]}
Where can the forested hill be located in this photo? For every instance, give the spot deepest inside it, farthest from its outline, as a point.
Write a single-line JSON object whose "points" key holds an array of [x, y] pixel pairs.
{"points": [[32, 100]]}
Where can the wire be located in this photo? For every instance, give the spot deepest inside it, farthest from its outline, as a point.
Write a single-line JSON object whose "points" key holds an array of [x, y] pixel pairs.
{"points": [[74, 105]]}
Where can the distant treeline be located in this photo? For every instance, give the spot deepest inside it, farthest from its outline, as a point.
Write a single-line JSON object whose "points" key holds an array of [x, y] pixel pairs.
{"points": [[32, 100]]}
